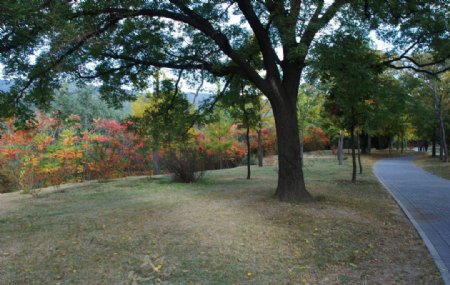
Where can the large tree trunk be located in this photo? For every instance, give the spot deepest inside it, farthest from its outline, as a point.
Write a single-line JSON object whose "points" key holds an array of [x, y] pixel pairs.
{"points": [[352, 143], [291, 184], [260, 150], [247, 135]]}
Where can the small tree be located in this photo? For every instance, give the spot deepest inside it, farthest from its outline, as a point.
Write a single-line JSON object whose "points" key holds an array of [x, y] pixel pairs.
{"points": [[350, 67], [244, 103], [166, 118], [309, 110]]}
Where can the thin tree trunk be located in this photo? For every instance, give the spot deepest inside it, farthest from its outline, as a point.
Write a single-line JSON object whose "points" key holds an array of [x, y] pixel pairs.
{"points": [[390, 144], [340, 152], [401, 142], [369, 144], [433, 148], [352, 143], [260, 150], [438, 109], [397, 145], [444, 142], [248, 152], [156, 161], [359, 156], [291, 184], [156, 147]]}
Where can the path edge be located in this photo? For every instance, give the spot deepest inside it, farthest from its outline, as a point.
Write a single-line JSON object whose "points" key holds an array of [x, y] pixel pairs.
{"points": [[445, 274]]}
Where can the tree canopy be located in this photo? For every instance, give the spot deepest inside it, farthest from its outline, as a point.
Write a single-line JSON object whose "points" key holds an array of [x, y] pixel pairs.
{"points": [[125, 40]]}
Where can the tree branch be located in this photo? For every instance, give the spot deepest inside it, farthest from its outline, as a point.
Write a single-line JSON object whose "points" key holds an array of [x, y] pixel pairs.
{"points": [[420, 70], [191, 18], [78, 44], [417, 66], [198, 22], [203, 65], [405, 52], [317, 23], [269, 55], [100, 74]]}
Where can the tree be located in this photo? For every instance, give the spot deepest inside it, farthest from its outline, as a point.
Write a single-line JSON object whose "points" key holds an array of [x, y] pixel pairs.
{"points": [[388, 109], [218, 129], [126, 39], [309, 101], [85, 102], [350, 68], [436, 90], [166, 118], [244, 102]]}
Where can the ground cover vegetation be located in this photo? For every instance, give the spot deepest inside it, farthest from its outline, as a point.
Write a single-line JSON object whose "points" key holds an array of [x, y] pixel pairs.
{"points": [[430, 164], [224, 229], [119, 45]]}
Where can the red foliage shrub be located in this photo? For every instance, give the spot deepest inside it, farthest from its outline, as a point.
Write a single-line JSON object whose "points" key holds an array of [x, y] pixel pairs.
{"points": [[316, 139]]}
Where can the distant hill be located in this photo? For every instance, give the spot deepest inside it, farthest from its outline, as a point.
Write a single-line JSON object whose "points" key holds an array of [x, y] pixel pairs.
{"points": [[202, 96]]}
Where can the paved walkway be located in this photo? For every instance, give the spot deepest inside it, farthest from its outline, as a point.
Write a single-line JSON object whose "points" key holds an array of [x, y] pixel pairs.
{"points": [[425, 199]]}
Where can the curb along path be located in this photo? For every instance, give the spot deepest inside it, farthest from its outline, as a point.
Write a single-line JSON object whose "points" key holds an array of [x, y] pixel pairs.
{"points": [[425, 198]]}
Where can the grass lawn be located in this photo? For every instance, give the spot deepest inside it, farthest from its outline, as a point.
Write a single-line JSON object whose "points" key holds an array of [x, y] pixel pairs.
{"points": [[223, 230], [434, 165]]}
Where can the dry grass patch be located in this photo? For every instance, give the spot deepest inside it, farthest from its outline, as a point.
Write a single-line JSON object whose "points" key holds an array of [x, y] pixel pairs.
{"points": [[223, 230], [434, 165]]}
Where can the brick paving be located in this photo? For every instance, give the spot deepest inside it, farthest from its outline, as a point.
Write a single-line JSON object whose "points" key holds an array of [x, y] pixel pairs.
{"points": [[425, 198]]}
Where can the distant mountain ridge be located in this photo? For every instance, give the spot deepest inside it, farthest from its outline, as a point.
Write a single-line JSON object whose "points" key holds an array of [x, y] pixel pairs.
{"points": [[202, 96]]}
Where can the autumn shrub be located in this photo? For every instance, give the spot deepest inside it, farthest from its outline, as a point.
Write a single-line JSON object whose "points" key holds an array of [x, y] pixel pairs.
{"points": [[186, 165], [50, 152], [316, 139]]}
